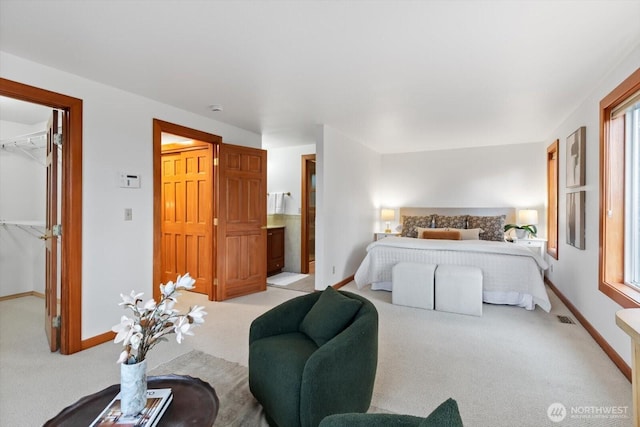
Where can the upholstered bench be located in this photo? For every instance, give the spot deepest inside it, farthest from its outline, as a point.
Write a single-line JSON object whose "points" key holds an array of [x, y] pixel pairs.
{"points": [[413, 284], [458, 289]]}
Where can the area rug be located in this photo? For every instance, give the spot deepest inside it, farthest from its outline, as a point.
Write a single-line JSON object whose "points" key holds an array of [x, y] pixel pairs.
{"points": [[284, 279], [230, 380], [238, 407]]}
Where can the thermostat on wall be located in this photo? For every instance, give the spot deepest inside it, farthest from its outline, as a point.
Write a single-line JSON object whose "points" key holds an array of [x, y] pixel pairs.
{"points": [[128, 180]]}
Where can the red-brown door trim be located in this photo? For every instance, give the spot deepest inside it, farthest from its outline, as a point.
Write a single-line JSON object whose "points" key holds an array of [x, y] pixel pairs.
{"points": [[71, 256]]}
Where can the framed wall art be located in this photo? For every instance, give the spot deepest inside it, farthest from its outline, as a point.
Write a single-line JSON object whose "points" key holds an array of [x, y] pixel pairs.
{"points": [[575, 219], [576, 152]]}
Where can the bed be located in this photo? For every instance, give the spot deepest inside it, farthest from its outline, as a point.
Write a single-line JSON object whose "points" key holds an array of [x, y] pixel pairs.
{"points": [[511, 273]]}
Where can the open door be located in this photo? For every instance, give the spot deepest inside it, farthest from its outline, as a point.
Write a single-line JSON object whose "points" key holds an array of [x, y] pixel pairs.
{"points": [[308, 225], [51, 325], [242, 221], [187, 219]]}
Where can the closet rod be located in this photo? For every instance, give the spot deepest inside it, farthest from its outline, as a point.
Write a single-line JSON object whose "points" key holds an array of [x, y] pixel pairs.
{"points": [[288, 193], [27, 226], [26, 139]]}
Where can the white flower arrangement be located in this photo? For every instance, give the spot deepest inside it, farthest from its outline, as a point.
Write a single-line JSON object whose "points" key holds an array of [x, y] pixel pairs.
{"points": [[151, 321]]}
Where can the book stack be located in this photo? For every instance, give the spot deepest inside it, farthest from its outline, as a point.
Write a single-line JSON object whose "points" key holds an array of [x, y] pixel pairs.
{"points": [[158, 399]]}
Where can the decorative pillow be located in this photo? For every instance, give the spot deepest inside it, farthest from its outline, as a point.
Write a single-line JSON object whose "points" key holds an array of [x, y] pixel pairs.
{"points": [[409, 224], [447, 414], [420, 230], [441, 234], [469, 234], [329, 316], [493, 226], [446, 221]]}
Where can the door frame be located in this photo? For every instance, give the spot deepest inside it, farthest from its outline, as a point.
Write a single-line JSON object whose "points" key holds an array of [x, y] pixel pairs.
{"points": [[304, 229], [71, 245], [160, 126]]}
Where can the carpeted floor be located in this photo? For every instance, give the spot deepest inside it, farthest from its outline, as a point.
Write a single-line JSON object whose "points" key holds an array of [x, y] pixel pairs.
{"points": [[504, 369]]}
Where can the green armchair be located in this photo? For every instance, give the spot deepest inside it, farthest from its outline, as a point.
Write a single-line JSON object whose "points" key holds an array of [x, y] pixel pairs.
{"points": [[445, 415], [313, 356]]}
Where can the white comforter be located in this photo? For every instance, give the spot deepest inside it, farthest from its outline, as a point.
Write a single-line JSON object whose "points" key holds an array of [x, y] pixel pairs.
{"points": [[511, 273]]}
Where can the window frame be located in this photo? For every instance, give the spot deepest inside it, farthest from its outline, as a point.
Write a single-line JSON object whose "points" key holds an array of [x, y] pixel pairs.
{"points": [[612, 194]]}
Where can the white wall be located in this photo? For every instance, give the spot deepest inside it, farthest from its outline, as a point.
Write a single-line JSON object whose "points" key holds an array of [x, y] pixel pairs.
{"points": [[117, 136], [283, 174], [347, 174], [575, 273], [284, 167], [500, 176], [22, 198]]}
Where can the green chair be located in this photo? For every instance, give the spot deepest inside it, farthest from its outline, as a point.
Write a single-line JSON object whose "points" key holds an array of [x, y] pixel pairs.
{"points": [[313, 356], [445, 415]]}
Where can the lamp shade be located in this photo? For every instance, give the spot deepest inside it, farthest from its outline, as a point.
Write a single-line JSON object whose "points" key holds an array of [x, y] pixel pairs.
{"points": [[528, 217], [387, 214]]}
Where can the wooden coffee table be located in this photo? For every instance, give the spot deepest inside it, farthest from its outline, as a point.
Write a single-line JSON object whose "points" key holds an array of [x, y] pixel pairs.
{"points": [[195, 403]]}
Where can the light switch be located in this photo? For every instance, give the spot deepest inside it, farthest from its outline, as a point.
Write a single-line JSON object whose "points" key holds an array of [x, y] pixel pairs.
{"points": [[128, 214]]}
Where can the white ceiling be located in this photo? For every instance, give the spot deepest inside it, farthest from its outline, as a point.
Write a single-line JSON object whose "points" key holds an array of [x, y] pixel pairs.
{"points": [[395, 75]]}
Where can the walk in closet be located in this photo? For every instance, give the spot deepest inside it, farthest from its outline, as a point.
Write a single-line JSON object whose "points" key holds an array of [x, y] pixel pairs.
{"points": [[23, 179]]}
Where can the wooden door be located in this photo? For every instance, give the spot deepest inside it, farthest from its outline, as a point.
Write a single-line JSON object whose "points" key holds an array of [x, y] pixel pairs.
{"points": [[51, 239], [242, 220], [187, 216], [308, 219]]}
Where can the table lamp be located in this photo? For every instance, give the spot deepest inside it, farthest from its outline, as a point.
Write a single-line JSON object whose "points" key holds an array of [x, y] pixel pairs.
{"points": [[528, 217], [388, 215]]}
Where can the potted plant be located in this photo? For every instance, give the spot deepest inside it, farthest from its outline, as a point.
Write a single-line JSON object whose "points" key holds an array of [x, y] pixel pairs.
{"points": [[521, 230], [147, 327]]}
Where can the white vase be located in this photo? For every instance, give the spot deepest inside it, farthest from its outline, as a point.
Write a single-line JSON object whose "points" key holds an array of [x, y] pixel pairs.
{"points": [[520, 233], [133, 387]]}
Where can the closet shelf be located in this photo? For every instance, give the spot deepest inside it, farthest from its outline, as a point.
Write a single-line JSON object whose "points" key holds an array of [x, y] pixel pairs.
{"points": [[35, 228], [29, 141]]}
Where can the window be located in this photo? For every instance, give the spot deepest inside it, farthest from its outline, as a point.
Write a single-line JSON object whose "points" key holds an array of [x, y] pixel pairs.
{"points": [[552, 199], [632, 193], [620, 193]]}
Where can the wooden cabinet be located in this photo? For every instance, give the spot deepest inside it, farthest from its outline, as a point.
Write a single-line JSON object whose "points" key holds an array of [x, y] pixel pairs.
{"points": [[275, 250]]}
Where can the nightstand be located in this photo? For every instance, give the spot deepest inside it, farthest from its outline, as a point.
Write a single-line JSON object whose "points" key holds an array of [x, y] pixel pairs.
{"points": [[534, 243], [382, 235]]}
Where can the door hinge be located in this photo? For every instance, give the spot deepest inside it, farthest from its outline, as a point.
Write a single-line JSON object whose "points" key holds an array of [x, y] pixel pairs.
{"points": [[215, 282], [57, 230], [55, 322], [215, 161], [57, 139], [215, 221]]}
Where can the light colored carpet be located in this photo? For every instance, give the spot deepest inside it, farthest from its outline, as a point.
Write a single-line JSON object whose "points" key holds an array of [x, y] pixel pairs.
{"points": [[504, 369]]}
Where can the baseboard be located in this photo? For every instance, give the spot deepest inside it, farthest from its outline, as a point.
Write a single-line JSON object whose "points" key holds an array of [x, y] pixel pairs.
{"points": [[22, 294], [613, 355], [98, 339], [343, 282]]}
